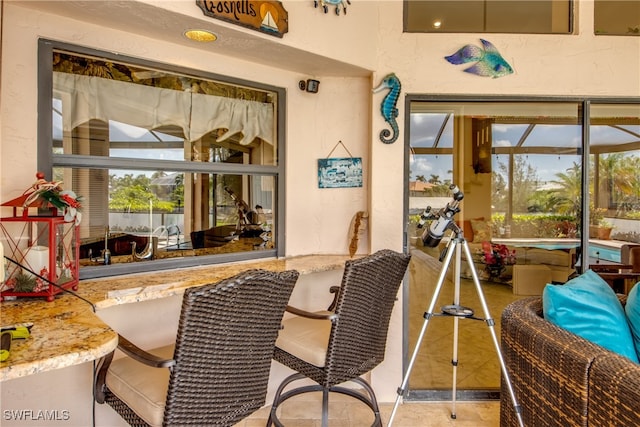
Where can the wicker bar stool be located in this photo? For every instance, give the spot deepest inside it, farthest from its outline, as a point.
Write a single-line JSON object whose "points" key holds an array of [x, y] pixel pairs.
{"points": [[333, 347], [218, 369]]}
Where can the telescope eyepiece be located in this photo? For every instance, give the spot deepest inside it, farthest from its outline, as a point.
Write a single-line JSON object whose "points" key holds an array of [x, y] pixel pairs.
{"points": [[456, 193]]}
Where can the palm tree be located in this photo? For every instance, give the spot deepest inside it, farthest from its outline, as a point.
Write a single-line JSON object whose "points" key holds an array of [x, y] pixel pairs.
{"points": [[618, 174], [630, 201], [521, 188], [568, 195]]}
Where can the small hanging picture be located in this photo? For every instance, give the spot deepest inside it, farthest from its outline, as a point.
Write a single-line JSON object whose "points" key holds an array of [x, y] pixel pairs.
{"points": [[340, 172]]}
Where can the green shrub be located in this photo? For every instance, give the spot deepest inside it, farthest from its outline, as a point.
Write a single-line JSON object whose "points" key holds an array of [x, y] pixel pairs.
{"points": [[536, 225]]}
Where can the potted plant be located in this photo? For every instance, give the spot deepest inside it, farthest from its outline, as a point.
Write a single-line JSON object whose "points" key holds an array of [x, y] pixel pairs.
{"points": [[599, 228]]}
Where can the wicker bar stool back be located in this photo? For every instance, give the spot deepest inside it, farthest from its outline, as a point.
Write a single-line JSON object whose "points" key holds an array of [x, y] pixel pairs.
{"points": [[219, 367], [333, 347]]}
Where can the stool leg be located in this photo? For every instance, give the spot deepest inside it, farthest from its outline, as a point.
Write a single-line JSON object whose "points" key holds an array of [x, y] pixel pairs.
{"points": [[273, 419], [325, 408]]}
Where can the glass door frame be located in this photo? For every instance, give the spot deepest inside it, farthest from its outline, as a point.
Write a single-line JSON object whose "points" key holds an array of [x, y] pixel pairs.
{"points": [[583, 118]]}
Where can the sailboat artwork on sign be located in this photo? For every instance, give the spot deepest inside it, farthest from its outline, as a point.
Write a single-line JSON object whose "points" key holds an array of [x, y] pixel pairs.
{"points": [[269, 18]]}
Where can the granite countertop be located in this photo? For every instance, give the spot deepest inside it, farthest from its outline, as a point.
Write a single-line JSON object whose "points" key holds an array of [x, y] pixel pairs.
{"points": [[67, 331]]}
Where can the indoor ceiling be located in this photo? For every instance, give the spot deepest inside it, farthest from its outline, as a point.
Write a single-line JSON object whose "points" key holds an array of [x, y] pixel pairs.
{"points": [[163, 24]]}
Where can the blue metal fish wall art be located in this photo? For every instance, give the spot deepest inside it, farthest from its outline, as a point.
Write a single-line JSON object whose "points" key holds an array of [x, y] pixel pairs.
{"points": [[388, 107], [488, 61], [337, 3]]}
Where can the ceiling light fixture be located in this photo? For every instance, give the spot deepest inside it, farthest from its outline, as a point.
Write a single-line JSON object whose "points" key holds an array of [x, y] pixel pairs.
{"points": [[437, 24], [200, 35]]}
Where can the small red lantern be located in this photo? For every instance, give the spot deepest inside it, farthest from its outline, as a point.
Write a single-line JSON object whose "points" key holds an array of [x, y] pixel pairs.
{"points": [[42, 251]]}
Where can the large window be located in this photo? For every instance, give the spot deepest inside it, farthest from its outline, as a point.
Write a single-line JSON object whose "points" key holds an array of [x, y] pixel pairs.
{"points": [[176, 167], [526, 158], [617, 17], [614, 180], [488, 16], [550, 187]]}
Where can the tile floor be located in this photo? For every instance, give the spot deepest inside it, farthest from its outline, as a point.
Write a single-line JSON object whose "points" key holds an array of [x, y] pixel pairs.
{"points": [[304, 411]]}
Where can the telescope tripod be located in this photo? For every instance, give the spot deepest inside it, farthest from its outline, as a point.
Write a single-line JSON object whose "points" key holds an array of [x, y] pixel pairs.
{"points": [[458, 312]]}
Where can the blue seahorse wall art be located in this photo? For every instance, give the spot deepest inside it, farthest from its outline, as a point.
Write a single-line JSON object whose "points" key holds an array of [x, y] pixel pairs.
{"points": [[488, 61], [388, 107]]}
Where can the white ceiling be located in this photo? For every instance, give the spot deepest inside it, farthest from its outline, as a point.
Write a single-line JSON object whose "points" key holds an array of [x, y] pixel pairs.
{"points": [[162, 24]]}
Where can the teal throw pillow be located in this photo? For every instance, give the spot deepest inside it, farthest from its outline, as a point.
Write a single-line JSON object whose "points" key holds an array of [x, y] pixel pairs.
{"points": [[633, 315], [588, 307]]}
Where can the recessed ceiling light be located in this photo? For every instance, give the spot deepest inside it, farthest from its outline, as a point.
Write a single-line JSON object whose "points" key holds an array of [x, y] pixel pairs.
{"points": [[200, 35], [437, 24]]}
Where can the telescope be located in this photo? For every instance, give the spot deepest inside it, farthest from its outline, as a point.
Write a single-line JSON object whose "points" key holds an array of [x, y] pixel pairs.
{"points": [[441, 221]]}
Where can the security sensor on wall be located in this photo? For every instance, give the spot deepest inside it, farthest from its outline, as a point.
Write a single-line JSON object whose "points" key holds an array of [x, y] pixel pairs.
{"points": [[310, 85]]}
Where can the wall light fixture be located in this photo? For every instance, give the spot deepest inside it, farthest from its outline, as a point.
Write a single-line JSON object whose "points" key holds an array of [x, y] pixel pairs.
{"points": [[310, 85]]}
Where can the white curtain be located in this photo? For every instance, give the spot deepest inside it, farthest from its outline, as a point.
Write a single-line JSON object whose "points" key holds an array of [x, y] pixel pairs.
{"points": [[253, 119], [85, 98]]}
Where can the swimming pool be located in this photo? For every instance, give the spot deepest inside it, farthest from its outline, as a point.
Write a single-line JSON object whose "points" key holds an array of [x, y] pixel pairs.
{"points": [[549, 244], [604, 252], [596, 250]]}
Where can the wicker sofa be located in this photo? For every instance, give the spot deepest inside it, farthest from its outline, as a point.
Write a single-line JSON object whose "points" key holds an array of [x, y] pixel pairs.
{"points": [[560, 379]]}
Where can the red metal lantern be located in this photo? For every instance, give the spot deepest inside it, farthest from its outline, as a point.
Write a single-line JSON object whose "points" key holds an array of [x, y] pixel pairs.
{"points": [[42, 250]]}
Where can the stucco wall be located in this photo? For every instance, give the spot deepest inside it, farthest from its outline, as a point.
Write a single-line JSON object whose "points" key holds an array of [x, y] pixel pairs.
{"points": [[317, 220], [550, 65]]}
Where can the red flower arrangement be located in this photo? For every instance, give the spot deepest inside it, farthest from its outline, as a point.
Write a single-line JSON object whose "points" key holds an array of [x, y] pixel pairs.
{"points": [[496, 258]]}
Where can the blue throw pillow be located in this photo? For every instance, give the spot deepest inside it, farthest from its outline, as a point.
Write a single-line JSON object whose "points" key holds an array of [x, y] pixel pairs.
{"points": [[633, 315], [588, 307]]}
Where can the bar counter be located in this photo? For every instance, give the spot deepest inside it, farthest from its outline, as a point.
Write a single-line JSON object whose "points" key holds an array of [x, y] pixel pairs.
{"points": [[67, 331]]}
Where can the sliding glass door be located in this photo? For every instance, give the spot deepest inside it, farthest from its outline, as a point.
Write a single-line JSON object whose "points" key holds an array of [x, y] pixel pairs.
{"points": [[535, 174]]}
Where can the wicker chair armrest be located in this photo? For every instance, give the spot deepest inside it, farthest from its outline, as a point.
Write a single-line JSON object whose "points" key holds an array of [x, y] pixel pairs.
{"points": [[614, 388], [100, 376], [311, 315], [335, 290], [138, 354], [544, 360]]}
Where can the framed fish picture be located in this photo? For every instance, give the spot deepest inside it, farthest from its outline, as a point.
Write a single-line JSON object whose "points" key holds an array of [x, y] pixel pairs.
{"points": [[340, 172]]}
